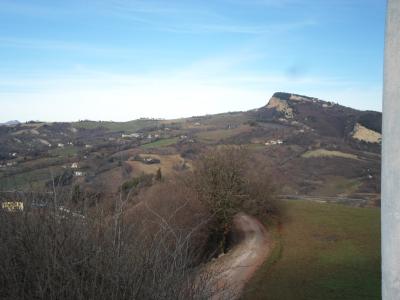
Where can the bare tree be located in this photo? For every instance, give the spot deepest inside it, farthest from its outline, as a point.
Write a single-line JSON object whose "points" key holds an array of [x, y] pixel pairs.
{"points": [[228, 181], [52, 252]]}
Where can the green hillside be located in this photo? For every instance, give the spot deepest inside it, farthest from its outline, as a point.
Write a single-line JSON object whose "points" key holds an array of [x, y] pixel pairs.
{"points": [[323, 251]]}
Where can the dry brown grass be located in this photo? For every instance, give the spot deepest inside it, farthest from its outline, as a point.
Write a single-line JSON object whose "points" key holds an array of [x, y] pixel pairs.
{"points": [[216, 135], [168, 164], [328, 153], [367, 135]]}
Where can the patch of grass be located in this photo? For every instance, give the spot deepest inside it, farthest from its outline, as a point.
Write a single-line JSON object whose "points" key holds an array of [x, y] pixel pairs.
{"points": [[327, 252], [32, 179], [255, 146], [130, 127], [160, 143], [167, 164], [220, 120], [334, 185], [217, 135], [64, 152], [328, 153]]}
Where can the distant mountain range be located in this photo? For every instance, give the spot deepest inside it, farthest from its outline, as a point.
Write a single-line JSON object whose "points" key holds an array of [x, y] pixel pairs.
{"points": [[10, 123]]}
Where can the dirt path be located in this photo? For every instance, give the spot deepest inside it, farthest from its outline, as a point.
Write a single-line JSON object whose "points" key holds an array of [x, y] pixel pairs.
{"points": [[253, 245]]}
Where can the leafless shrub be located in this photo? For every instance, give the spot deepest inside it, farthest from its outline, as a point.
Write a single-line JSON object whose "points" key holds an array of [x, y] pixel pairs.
{"points": [[52, 252], [228, 181]]}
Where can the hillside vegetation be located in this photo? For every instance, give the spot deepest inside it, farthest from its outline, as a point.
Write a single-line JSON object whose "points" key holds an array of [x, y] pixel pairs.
{"points": [[174, 187]]}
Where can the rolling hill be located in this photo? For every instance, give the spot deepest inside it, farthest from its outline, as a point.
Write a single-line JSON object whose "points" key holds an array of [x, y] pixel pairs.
{"points": [[313, 147]]}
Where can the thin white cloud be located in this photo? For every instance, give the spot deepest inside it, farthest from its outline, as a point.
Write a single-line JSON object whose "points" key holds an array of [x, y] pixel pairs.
{"points": [[242, 29], [174, 16], [268, 3], [59, 45]]}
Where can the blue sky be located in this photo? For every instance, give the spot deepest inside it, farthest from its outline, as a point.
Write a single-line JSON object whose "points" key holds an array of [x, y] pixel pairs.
{"points": [[125, 59]]}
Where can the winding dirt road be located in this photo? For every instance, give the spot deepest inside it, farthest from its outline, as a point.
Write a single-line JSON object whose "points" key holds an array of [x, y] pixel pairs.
{"points": [[252, 247]]}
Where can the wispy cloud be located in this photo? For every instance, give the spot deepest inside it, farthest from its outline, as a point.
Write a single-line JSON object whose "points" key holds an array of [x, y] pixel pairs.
{"points": [[72, 46], [18, 7], [254, 30], [268, 3], [164, 16], [173, 16]]}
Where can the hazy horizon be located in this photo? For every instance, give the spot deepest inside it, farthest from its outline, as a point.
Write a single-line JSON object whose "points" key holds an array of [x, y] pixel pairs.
{"points": [[122, 60]]}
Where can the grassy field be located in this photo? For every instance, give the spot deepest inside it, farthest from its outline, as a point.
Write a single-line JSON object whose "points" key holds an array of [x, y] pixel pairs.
{"points": [[32, 179], [131, 126], [216, 135], [323, 251], [335, 185], [160, 143], [328, 153], [64, 152], [167, 164]]}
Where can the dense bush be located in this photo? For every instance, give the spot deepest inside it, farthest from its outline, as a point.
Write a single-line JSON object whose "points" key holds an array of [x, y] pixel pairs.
{"points": [[143, 180], [227, 181]]}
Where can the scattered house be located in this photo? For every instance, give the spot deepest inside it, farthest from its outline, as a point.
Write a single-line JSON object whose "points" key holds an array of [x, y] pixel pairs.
{"points": [[14, 154], [132, 135], [44, 142], [274, 142], [328, 104], [183, 137], [70, 143], [151, 160], [197, 124], [11, 164], [149, 137], [283, 120], [79, 174], [65, 210], [59, 145], [74, 165], [147, 160], [12, 206], [88, 146]]}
